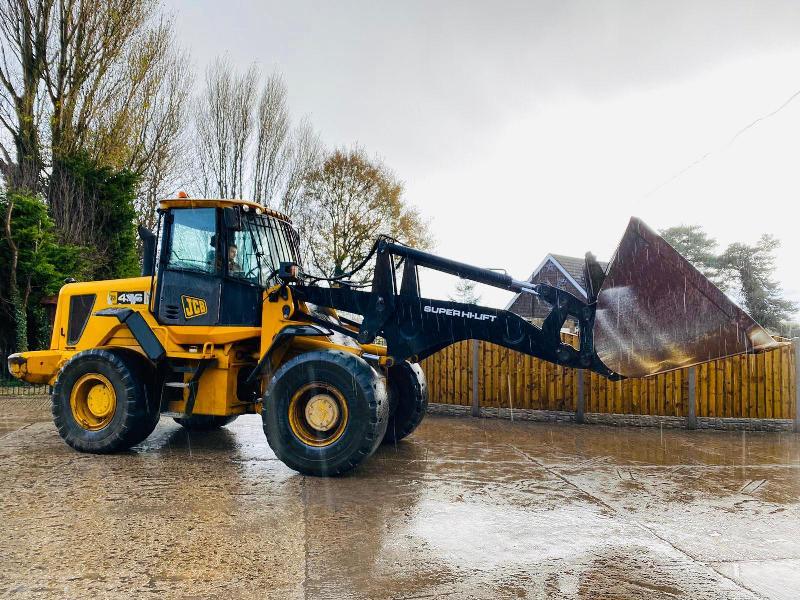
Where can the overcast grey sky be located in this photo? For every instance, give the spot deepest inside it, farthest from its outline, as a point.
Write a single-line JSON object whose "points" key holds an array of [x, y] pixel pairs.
{"points": [[522, 128]]}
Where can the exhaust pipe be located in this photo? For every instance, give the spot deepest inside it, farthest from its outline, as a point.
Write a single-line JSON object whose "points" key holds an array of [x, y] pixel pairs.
{"points": [[148, 251]]}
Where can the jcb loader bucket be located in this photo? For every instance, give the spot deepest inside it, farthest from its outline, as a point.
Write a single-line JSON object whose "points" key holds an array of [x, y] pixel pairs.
{"points": [[656, 312]]}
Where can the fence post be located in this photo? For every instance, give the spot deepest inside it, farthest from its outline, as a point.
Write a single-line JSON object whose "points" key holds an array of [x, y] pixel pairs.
{"points": [[691, 418], [476, 404], [796, 345], [579, 408]]}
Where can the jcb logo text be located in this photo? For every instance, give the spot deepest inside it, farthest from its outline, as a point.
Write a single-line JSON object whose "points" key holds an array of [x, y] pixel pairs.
{"points": [[193, 307]]}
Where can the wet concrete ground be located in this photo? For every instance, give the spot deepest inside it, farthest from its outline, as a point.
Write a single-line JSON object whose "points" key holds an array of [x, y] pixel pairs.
{"points": [[465, 508]]}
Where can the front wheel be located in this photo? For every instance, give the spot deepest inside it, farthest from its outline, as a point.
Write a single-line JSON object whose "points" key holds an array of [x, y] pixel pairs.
{"points": [[325, 412]]}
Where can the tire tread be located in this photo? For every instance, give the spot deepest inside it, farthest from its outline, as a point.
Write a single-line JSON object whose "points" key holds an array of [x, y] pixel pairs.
{"points": [[140, 412], [372, 387]]}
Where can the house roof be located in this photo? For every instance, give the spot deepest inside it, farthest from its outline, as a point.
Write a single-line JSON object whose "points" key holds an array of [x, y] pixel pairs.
{"points": [[573, 266], [570, 266]]}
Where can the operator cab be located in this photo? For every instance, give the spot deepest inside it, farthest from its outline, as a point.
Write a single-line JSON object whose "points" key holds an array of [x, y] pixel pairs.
{"points": [[215, 259]]}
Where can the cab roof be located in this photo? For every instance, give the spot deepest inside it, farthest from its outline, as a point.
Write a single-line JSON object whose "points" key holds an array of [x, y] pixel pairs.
{"points": [[219, 203]]}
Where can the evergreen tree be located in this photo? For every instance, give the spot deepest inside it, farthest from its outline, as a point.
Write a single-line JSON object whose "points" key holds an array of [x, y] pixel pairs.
{"points": [[102, 216], [744, 270], [465, 292], [698, 248], [753, 267], [39, 269]]}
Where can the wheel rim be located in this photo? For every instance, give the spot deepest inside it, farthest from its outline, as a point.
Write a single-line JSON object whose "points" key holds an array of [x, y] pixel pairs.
{"points": [[93, 401], [318, 414]]}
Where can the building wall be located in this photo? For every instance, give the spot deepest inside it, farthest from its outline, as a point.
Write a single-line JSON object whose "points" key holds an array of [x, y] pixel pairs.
{"points": [[531, 308]]}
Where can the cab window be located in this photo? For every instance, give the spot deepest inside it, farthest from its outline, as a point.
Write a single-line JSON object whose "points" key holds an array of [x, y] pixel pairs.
{"points": [[193, 240], [255, 250], [242, 256]]}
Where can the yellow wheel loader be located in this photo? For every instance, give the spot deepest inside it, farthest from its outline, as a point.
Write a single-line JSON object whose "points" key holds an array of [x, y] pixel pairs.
{"points": [[224, 322]]}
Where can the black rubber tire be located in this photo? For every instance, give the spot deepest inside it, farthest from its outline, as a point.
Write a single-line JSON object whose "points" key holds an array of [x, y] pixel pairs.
{"points": [[204, 422], [408, 398], [136, 413], [364, 391], [145, 373]]}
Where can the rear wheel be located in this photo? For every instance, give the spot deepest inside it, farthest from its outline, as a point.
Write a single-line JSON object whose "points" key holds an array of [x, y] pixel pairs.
{"points": [[408, 396], [101, 403], [325, 412], [204, 422]]}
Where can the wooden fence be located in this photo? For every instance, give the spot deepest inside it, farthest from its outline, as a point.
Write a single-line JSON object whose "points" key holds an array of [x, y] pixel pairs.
{"points": [[748, 386]]}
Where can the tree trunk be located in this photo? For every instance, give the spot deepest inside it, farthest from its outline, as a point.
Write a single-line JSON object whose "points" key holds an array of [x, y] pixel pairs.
{"points": [[18, 313]]}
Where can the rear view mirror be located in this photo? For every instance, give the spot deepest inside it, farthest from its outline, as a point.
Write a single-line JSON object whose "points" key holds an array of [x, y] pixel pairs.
{"points": [[232, 218]]}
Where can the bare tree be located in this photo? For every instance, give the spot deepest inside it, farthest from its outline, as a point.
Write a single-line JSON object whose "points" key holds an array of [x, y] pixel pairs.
{"points": [[224, 123], [167, 171], [101, 77], [163, 155], [259, 152], [25, 31], [101, 53], [72, 209], [272, 133], [304, 154], [83, 77], [117, 86], [152, 110]]}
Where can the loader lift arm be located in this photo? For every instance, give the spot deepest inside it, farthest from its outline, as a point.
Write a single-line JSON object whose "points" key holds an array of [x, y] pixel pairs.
{"points": [[415, 327]]}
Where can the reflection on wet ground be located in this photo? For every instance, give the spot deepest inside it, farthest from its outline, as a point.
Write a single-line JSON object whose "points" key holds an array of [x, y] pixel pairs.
{"points": [[466, 508]]}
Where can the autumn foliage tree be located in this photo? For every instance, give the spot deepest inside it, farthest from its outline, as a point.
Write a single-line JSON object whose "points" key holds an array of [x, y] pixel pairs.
{"points": [[349, 201]]}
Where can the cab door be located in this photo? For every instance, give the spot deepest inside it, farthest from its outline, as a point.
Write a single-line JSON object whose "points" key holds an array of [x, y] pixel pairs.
{"points": [[190, 268], [241, 290]]}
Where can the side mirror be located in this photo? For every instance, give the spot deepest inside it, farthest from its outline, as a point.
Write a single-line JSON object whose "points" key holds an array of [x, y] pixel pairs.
{"points": [[232, 218]]}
